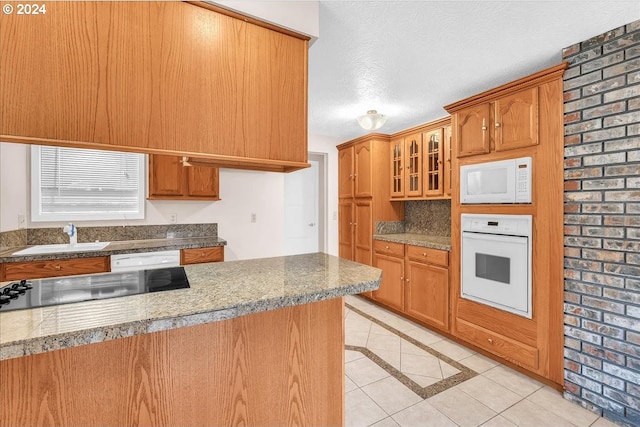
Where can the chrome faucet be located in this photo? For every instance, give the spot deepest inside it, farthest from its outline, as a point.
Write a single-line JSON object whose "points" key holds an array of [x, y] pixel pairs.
{"points": [[72, 231]]}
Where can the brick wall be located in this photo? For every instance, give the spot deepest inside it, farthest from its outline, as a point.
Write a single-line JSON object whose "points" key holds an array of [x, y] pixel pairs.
{"points": [[602, 224]]}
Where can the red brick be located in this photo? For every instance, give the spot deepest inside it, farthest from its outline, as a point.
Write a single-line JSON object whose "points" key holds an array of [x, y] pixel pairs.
{"points": [[572, 117], [572, 139], [571, 230], [573, 163], [572, 252], [571, 207], [571, 185]]}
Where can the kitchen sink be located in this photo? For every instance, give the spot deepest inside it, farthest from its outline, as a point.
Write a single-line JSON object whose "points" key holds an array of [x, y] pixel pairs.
{"points": [[49, 249]]}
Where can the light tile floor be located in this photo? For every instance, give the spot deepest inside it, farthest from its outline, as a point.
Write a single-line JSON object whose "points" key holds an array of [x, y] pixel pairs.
{"points": [[462, 388]]}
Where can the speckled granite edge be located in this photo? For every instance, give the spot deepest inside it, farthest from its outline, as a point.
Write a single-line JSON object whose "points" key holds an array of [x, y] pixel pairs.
{"points": [[330, 284], [389, 227], [119, 247], [433, 242]]}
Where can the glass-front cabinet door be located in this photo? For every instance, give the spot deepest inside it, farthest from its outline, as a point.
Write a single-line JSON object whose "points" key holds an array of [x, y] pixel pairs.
{"points": [[433, 142], [413, 175], [397, 164]]}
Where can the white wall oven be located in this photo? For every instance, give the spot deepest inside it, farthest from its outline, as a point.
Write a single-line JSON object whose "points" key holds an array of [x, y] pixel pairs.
{"points": [[496, 261]]}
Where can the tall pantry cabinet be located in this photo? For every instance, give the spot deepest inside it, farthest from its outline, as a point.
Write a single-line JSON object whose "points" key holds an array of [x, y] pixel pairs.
{"points": [[363, 192]]}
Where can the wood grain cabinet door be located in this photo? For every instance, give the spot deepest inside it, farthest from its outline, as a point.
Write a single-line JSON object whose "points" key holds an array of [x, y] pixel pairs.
{"points": [[203, 182], [516, 120], [413, 165], [446, 172], [345, 172], [363, 231], [345, 229], [363, 168], [433, 168], [427, 294], [165, 176], [397, 167], [472, 130], [391, 290]]}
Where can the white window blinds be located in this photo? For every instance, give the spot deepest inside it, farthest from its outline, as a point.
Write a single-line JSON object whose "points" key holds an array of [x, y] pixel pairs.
{"points": [[77, 184]]}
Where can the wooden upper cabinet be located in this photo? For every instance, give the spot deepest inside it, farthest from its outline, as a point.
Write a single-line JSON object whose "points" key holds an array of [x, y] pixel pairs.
{"points": [[516, 120], [472, 126], [345, 172], [397, 167], [447, 177], [363, 168], [170, 180], [413, 165], [433, 167], [181, 78]]}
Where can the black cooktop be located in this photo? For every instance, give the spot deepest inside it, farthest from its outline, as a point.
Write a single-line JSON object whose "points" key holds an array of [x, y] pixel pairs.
{"points": [[63, 290]]}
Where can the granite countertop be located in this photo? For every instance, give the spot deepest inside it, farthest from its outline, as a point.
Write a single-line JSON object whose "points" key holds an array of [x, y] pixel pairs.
{"points": [[118, 247], [218, 291], [422, 240]]}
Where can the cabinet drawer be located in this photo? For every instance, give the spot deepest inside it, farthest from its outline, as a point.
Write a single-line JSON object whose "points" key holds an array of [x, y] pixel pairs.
{"points": [[519, 353], [53, 268], [428, 255], [389, 248], [200, 255]]}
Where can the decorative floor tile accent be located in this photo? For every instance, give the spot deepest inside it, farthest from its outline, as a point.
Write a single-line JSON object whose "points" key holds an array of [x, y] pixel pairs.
{"points": [[449, 372]]}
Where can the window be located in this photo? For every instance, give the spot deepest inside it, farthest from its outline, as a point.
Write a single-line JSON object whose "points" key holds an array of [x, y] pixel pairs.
{"points": [[72, 184]]}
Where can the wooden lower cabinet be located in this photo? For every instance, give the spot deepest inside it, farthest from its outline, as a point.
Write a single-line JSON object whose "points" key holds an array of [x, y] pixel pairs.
{"points": [[201, 255], [391, 290], [53, 268], [275, 368], [415, 281]]}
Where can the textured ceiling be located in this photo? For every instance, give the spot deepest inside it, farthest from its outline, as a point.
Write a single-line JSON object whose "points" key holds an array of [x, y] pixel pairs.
{"points": [[407, 59]]}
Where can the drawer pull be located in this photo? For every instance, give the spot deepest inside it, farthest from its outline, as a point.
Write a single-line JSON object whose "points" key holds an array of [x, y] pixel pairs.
{"points": [[424, 254], [490, 340], [386, 247], [57, 267]]}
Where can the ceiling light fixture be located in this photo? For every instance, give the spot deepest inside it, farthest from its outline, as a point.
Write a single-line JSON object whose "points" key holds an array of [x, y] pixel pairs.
{"points": [[372, 120]]}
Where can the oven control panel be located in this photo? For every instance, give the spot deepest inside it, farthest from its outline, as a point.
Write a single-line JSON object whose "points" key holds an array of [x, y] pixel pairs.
{"points": [[514, 225]]}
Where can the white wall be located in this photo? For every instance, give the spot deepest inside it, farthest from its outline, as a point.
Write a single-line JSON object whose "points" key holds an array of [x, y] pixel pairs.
{"points": [[14, 191], [242, 193]]}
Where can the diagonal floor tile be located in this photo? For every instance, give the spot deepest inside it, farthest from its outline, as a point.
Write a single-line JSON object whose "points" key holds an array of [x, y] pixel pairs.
{"points": [[364, 371], [463, 409], [422, 414], [528, 414], [452, 350], [489, 393], [427, 366], [514, 381], [361, 410], [554, 402], [391, 395]]}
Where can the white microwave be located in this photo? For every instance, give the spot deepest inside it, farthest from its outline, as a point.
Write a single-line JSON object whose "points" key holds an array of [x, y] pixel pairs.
{"points": [[504, 181]]}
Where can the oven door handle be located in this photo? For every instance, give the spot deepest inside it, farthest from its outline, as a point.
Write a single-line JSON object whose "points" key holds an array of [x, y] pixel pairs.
{"points": [[494, 237]]}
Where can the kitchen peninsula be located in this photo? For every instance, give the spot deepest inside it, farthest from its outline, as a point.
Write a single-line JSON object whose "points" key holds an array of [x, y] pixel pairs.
{"points": [[256, 342]]}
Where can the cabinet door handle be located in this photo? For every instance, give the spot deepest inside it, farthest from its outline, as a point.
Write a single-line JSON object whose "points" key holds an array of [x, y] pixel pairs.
{"points": [[401, 279], [484, 126], [497, 124], [407, 280]]}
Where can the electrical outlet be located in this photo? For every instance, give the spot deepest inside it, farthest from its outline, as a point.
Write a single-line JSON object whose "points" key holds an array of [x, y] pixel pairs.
{"points": [[22, 221], [253, 217], [173, 218], [335, 215]]}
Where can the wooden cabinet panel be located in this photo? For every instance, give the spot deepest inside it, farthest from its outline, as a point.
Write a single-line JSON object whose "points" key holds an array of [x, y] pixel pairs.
{"points": [[516, 120], [472, 130], [363, 170], [273, 368], [427, 288], [510, 349], [166, 176], [137, 76], [169, 179], [345, 229], [433, 168], [201, 255], [388, 248], [428, 255], [397, 167], [345, 172], [203, 183], [413, 165], [446, 173], [53, 268], [362, 229], [391, 290]]}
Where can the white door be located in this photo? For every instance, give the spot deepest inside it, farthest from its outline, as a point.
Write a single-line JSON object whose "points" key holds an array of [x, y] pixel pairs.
{"points": [[301, 189]]}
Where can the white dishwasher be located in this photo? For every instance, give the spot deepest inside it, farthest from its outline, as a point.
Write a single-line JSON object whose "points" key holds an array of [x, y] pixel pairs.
{"points": [[145, 260]]}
